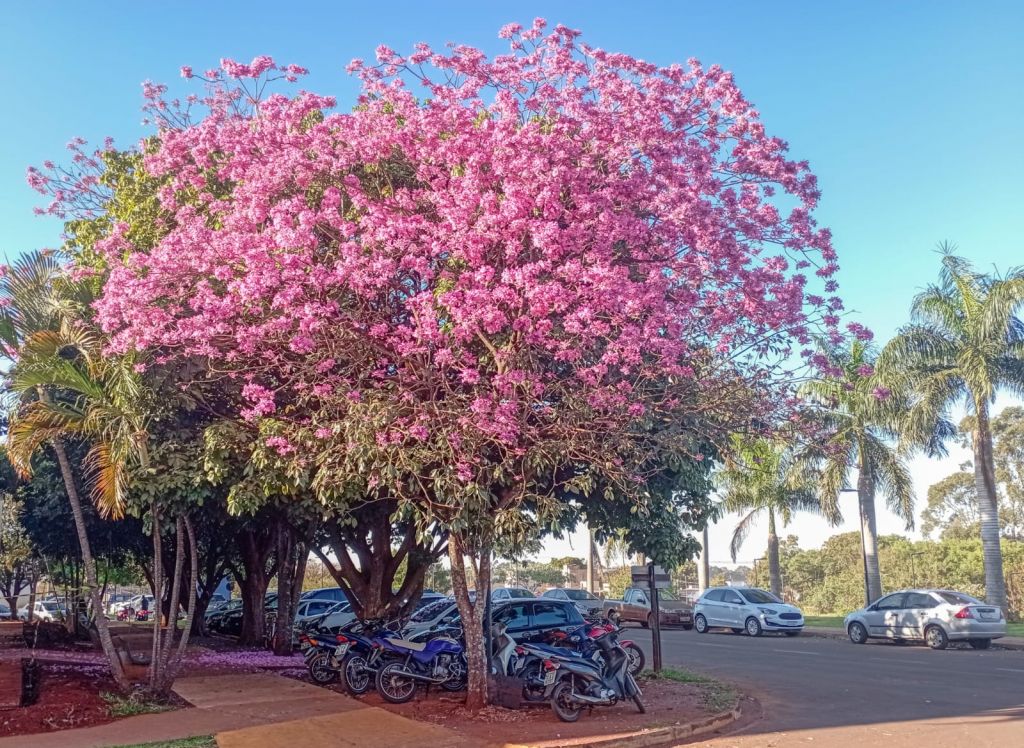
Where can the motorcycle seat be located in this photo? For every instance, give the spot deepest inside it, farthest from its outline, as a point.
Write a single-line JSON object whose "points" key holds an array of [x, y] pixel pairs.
{"points": [[406, 644]]}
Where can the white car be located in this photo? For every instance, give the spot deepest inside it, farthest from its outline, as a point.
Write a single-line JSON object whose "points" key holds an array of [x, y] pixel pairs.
{"points": [[936, 617], [745, 609], [43, 610]]}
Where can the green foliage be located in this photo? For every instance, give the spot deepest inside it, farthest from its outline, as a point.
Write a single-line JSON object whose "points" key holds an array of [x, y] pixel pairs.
{"points": [[830, 580], [618, 581], [203, 741], [119, 705], [531, 574]]}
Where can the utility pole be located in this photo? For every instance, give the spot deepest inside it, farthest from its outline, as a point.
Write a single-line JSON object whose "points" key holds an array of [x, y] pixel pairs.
{"points": [[703, 563]]}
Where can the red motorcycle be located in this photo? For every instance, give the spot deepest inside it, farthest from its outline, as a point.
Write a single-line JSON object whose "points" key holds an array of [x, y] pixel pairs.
{"points": [[130, 614]]}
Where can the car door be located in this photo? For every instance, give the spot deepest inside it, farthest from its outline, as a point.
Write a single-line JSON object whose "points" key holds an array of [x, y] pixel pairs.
{"points": [[733, 611], [917, 609], [516, 618], [883, 617], [709, 607], [638, 606]]}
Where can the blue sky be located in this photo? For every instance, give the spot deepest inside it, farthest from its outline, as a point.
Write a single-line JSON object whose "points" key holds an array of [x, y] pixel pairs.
{"points": [[911, 116]]}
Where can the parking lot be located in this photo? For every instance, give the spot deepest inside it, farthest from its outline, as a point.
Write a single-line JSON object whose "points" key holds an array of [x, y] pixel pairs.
{"points": [[830, 692]]}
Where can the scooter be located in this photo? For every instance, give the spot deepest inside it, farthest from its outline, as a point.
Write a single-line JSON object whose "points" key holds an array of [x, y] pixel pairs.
{"points": [[572, 683], [439, 661], [585, 645]]}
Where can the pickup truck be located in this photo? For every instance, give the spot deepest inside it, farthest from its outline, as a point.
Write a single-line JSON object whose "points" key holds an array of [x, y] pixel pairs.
{"points": [[635, 606]]}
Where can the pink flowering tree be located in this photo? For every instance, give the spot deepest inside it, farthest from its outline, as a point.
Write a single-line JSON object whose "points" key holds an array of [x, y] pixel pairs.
{"points": [[494, 290]]}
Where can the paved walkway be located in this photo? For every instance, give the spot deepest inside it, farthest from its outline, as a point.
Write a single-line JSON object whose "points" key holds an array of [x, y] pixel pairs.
{"points": [[258, 711]]}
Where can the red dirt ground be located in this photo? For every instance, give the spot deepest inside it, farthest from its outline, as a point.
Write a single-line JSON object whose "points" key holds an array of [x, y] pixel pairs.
{"points": [[69, 696], [667, 703]]}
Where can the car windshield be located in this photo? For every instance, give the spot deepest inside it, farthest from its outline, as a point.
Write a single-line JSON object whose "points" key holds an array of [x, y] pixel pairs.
{"points": [[337, 608], [759, 596], [578, 595], [50, 607], [430, 611], [518, 592], [958, 598], [667, 595]]}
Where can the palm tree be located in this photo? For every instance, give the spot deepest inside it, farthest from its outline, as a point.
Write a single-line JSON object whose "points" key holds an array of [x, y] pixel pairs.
{"points": [[764, 479], [964, 343], [68, 389], [861, 421]]}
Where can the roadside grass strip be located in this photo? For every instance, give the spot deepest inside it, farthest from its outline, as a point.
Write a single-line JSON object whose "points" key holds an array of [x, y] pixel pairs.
{"points": [[717, 696]]}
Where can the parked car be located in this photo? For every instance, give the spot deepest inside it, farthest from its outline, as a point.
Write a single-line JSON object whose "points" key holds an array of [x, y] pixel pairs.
{"points": [[333, 594], [333, 618], [215, 618], [5, 610], [116, 601], [586, 603], [440, 612], [499, 594], [44, 610], [746, 609], [533, 619], [635, 606], [935, 617]]}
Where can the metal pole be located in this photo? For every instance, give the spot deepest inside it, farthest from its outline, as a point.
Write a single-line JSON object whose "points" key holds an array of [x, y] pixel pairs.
{"points": [[655, 619]]}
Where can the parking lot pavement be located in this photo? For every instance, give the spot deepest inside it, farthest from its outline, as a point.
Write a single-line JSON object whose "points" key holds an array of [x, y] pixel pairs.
{"points": [[830, 692]]}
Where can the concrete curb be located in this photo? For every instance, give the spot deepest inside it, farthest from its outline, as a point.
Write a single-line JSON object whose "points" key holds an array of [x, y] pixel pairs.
{"points": [[1007, 642], [648, 738]]}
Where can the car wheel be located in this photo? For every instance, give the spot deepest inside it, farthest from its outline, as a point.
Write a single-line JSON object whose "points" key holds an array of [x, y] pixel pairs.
{"points": [[980, 643], [650, 621], [646, 623], [858, 634], [701, 624], [752, 627], [935, 637]]}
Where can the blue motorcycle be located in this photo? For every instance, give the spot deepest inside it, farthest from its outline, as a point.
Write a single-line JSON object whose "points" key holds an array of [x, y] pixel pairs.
{"points": [[440, 661]]}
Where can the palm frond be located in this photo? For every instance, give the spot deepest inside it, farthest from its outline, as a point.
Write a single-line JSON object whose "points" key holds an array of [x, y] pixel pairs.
{"points": [[742, 531]]}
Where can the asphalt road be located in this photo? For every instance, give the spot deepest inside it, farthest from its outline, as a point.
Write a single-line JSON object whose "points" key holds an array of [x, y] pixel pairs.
{"points": [[830, 692]]}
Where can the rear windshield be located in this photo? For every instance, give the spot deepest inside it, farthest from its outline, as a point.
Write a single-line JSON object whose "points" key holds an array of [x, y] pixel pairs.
{"points": [[578, 595], [428, 612], [958, 598], [759, 596]]}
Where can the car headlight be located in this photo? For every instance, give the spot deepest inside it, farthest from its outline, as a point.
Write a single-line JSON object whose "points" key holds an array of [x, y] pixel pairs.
{"points": [[769, 611]]}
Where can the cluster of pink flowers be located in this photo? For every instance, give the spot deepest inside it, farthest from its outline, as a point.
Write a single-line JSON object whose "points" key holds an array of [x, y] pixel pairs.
{"points": [[514, 232]]}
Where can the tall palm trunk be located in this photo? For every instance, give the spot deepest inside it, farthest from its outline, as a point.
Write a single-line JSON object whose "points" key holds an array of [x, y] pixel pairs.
{"points": [[988, 508], [90, 567], [868, 529], [774, 566]]}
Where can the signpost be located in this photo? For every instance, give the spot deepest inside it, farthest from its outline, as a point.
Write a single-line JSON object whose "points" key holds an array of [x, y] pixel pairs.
{"points": [[653, 578]]}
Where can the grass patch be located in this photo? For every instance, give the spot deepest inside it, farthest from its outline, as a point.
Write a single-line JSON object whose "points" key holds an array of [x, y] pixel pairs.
{"points": [[131, 706], [830, 622], [717, 696], [203, 741]]}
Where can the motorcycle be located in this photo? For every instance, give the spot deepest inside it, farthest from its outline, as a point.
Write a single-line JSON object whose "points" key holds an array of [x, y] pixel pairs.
{"points": [[585, 645], [321, 654], [571, 682], [438, 661]]}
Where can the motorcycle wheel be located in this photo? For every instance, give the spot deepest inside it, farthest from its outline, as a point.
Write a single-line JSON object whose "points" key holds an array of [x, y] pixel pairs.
{"points": [[357, 678], [320, 669], [531, 671], [562, 704], [394, 686], [636, 658], [459, 678]]}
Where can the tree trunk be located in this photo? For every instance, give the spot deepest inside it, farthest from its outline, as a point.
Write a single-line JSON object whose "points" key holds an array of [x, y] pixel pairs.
{"points": [[254, 592], [472, 614], [774, 566], [287, 562], [988, 509], [102, 630], [868, 530]]}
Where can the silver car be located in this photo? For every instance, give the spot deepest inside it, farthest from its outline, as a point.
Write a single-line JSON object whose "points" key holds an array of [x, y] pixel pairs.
{"points": [[936, 617], [745, 609]]}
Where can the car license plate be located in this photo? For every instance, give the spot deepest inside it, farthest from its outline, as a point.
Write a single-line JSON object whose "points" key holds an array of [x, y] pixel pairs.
{"points": [[988, 614], [549, 677], [341, 649]]}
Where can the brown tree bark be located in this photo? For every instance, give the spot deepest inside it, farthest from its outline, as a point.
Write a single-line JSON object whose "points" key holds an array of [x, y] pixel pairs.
{"points": [[472, 612], [255, 548]]}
